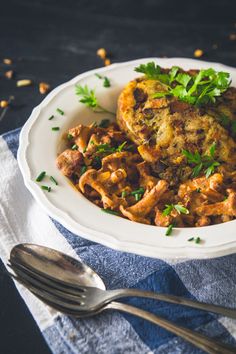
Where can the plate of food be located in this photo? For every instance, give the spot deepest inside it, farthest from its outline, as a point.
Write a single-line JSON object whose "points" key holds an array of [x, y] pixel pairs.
{"points": [[139, 156]]}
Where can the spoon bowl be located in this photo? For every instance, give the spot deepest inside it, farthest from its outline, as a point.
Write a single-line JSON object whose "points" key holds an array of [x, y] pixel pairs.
{"points": [[56, 264]]}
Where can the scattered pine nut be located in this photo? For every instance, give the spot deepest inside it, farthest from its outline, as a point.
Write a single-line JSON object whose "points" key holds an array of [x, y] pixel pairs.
{"points": [[107, 62], [44, 87], [102, 53], [21, 83], [3, 104], [232, 37], [198, 53], [7, 61], [9, 74]]}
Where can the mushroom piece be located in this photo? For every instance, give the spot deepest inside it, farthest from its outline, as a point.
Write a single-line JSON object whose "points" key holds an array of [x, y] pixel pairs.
{"points": [[203, 221], [141, 209], [162, 220], [227, 207], [208, 186], [119, 160], [146, 180], [148, 153], [96, 180], [81, 135], [69, 161], [116, 135], [118, 175]]}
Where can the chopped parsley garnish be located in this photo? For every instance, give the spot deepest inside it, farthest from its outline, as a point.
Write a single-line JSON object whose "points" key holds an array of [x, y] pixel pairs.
{"points": [[106, 81], [138, 196], [138, 191], [41, 176], [60, 111], [206, 161], [199, 89], [55, 128], [74, 147], [104, 123], [50, 118], [121, 146], [53, 180], [83, 170], [46, 188], [198, 190], [89, 99], [195, 239], [123, 194], [109, 211], [69, 136], [169, 230], [178, 207], [105, 148]]}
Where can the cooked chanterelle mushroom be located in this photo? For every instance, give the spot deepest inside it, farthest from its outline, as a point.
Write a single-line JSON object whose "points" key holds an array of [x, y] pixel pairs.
{"points": [[69, 162], [140, 210]]}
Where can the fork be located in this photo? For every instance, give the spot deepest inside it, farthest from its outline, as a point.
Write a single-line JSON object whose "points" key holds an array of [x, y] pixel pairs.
{"points": [[66, 300], [92, 298]]}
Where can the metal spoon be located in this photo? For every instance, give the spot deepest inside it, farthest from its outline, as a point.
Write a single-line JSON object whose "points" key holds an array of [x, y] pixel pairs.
{"points": [[26, 275], [57, 265]]}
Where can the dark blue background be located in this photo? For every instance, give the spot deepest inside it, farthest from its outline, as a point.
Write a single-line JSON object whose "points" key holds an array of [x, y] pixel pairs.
{"points": [[54, 40]]}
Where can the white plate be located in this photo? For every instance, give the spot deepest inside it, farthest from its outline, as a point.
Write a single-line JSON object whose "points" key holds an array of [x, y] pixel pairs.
{"points": [[39, 146]]}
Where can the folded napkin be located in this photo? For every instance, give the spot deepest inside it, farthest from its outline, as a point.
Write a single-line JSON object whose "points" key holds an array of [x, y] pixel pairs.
{"points": [[213, 281]]}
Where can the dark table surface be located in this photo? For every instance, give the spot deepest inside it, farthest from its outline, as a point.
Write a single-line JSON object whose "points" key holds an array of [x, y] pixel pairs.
{"points": [[53, 41]]}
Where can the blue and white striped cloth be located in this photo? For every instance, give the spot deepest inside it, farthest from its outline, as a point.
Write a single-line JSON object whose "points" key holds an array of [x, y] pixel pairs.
{"points": [[213, 281]]}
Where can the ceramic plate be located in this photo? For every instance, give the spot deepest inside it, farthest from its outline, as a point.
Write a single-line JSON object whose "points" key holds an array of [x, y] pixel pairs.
{"points": [[39, 147]]}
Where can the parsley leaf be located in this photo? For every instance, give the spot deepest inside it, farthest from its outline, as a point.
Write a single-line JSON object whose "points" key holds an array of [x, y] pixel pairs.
{"points": [[151, 70], [168, 209], [181, 209], [178, 207], [199, 89], [89, 99], [206, 161], [88, 96]]}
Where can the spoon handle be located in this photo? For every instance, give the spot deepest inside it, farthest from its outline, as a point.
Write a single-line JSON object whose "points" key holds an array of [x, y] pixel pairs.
{"points": [[224, 311], [209, 345]]}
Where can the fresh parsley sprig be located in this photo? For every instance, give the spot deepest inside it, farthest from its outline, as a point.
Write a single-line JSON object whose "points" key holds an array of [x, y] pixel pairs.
{"points": [[178, 207], [89, 99], [199, 89], [152, 71], [206, 161]]}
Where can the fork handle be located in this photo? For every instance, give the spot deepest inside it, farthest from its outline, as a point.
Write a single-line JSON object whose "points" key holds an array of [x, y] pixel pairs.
{"points": [[224, 311], [209, 345]]}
